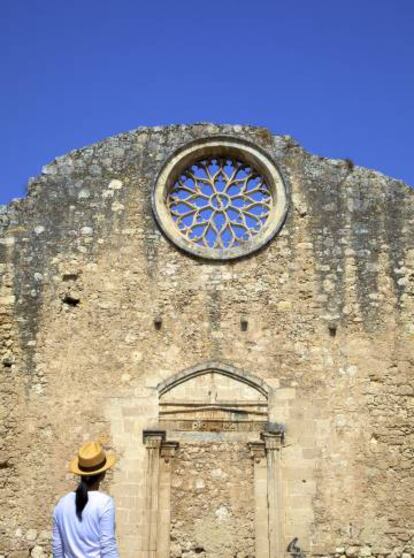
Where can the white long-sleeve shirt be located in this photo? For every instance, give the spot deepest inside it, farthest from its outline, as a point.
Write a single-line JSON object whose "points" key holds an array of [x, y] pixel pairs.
{"points": [[91, 537]]}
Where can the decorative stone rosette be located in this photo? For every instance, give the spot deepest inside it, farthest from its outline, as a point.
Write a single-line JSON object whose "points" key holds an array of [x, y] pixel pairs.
{"points": [[220, 198]]}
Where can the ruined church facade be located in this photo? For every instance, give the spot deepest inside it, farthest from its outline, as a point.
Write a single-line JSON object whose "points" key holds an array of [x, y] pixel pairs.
{"points": [[234, 318]]}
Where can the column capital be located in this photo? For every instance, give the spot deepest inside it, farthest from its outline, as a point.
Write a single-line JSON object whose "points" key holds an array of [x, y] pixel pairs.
{"points": [[168, 450], [153, 439], [257, 451], [272, 440]]}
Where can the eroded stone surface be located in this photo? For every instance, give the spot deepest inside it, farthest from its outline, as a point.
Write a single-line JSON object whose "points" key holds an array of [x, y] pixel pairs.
{"points": [[85, 271], [212, 509]]}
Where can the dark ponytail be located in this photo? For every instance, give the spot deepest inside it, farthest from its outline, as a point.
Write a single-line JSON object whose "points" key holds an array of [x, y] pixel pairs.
{"points": [[81, 497]]}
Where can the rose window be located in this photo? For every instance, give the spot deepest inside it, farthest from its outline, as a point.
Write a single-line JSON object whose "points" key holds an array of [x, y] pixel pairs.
{"points": [[219, 203], [220, 199]]}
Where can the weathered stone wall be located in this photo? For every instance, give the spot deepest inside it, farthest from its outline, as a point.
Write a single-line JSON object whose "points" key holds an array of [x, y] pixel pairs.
{"points": [[329, 303], [212, 501]]}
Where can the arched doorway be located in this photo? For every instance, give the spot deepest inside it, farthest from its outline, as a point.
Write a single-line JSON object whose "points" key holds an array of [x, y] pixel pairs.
{"points": [[212, 475]]}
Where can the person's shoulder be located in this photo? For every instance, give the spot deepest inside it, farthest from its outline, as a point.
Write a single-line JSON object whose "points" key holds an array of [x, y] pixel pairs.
{"points": [[64, 500], [101, 498], [67, 497]]}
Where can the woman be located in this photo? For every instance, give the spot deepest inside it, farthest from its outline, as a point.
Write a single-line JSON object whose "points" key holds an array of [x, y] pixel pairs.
{"points": [[84, 521]]}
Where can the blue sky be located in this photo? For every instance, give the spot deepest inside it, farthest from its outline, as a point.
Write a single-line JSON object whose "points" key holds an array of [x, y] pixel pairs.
{"points": [[338, 76]]}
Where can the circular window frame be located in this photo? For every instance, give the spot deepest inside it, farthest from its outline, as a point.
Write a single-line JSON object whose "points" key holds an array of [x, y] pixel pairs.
{"points": [[219, 147]]}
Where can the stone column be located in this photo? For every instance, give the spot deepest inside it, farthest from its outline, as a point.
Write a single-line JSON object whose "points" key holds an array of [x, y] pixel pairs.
{"points": [[152, 440], [273, 444], [157, 511], [168, 450], [261, 511]]}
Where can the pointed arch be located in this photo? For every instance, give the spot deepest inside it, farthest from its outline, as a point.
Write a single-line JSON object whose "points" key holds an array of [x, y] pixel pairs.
{"points": [[219, 368]]}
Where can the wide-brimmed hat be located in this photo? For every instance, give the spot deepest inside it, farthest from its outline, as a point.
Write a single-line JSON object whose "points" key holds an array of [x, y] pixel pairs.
{"points": [[91, 460]]}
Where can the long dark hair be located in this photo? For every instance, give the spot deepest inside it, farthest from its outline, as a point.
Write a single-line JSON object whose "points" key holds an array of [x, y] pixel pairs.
{"points": [[81, 498]]}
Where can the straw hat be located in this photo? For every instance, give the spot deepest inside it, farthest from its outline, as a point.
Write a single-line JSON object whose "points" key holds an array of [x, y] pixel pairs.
{"points": [[91, 460]]}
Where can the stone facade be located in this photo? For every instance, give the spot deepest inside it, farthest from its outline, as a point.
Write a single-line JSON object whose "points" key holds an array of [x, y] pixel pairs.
{"points": [[250, 401]]}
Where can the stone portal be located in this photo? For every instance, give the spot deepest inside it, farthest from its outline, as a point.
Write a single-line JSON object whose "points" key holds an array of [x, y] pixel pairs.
{"points": [[213, 476]]}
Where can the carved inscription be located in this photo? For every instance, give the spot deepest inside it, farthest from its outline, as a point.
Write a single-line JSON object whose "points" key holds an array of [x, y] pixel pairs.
{"points": [[214, 425]]}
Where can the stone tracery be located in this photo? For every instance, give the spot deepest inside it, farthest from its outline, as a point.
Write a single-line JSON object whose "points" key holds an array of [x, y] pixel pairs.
{"points": [[220, 202], [220, 198]]}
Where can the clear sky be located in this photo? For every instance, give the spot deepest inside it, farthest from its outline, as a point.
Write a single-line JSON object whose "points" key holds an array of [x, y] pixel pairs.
{"points": [[336, 75]]}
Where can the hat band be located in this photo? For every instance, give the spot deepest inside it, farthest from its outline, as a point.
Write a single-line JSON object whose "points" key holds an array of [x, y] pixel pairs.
{"points": [[93, 467]]}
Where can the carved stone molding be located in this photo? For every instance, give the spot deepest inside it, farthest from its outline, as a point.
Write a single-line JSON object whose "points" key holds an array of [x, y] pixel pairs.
{"points": [[157, 494], [156, 439], [218, 367], [153, 438], [168, 450], [268, 492], [257, 451], [272, 440]]}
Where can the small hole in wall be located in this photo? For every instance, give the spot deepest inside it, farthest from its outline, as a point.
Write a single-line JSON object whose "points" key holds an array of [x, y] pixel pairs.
{"points": [[332, 330], [304, 481], [244, 324], [199, 549], [157, 323], [70, 276], [70, 300]]}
